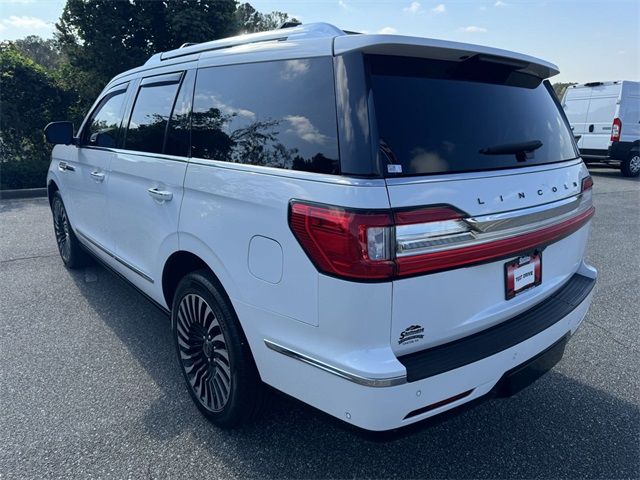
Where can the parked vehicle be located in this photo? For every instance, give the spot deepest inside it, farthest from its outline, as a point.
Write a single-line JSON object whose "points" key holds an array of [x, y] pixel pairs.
{"points": [[384, 227], [605, 119]]}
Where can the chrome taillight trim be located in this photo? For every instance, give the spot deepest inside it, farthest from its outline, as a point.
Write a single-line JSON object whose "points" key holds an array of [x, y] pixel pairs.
{"points": [[492, 227], [524, 217]]}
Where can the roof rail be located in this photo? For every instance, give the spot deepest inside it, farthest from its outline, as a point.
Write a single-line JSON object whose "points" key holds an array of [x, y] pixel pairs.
{"points": [[311, 30], [289, 24]]}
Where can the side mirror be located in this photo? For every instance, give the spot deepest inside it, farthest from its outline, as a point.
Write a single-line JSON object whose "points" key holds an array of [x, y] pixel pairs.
{"points": [[59, 133]]}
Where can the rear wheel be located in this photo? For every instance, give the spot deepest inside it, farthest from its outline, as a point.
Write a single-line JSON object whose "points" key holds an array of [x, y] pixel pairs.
{"points": [[213, 353], [631, 166], [70, 249]]}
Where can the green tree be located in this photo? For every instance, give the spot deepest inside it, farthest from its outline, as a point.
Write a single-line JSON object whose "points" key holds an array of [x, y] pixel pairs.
{"points": [[43, 52], [561, 87], [249, 20], [30, 98], [102, 38]]}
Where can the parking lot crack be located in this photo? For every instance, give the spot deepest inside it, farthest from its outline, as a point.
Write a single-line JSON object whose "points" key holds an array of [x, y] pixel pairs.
{"points": [[612, 336], [31, 257]]}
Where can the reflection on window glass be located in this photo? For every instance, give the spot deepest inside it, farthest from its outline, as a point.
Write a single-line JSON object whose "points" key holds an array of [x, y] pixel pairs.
{"points": [[149, 118], [276, 114], [438, 117], [103, 128], [178, 131]]}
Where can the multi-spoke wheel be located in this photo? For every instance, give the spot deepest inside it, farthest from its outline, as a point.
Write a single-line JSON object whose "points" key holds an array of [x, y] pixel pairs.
{"points": [[70, 250], [631, 165], [203, 352], [213, 352]]}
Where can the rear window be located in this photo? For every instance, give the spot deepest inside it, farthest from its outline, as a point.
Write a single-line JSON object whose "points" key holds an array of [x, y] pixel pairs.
{"points": [[440, 117]]}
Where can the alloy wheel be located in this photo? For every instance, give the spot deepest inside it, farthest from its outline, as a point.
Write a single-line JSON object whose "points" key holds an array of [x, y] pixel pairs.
{"points": [[203, 352], [61, 229]]}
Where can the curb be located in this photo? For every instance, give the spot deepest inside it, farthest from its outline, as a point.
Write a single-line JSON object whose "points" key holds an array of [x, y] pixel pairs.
{"points": [[23, 193]]}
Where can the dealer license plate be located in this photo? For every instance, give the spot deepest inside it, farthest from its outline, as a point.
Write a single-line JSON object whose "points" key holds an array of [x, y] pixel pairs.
{"points": [[522, 274]]}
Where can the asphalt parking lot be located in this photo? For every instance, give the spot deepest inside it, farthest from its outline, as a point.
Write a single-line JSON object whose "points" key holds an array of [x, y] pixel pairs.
{"points": [[89, 386]]}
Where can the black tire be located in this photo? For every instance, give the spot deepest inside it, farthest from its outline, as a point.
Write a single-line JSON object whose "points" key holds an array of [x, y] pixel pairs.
{"points": [[631, 165], [71, 252], [213, 353]]}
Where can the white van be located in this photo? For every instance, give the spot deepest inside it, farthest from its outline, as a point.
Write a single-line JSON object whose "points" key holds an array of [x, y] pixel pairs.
{"points": [[605, 119], [384, 227]]}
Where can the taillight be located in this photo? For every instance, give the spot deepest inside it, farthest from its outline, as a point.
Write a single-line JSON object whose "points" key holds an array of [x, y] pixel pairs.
{"points": [[616, 130], [385, 244], [343, 242], [587, 183]]}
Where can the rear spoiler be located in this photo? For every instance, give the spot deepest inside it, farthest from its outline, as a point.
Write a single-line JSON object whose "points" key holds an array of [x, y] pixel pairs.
{"points": [[440, 50]]}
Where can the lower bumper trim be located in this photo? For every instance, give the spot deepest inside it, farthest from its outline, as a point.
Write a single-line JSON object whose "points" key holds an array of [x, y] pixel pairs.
{"points": [[366, 381], [456, 354]]}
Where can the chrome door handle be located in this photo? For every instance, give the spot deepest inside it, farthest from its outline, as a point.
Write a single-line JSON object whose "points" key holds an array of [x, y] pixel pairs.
{"points": [[161, 195], [97, 176], [65, 167]]}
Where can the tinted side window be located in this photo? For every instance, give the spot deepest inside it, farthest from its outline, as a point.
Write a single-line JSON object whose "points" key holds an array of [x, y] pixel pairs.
{"points": [[150, 115], [102, 129], [178, 134], [276, 114]]}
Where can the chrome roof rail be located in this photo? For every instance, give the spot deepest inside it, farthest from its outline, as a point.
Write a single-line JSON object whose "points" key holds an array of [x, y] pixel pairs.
{"points": [[298, 32]]}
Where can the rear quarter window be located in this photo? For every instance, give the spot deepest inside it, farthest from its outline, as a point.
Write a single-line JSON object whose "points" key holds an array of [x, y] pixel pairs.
{"points": [[277, 114], [438, 117]]}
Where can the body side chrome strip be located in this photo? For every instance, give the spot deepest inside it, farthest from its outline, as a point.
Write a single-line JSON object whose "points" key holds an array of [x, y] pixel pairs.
{"points": [[352, 377], [114, 256]]}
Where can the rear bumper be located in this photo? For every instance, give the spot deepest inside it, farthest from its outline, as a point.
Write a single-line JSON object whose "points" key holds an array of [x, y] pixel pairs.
{"points": [[452, 355], [616, 152], [444, 377]]}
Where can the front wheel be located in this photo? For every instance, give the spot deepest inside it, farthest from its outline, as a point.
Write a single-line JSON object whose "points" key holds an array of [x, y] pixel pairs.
{"points": [[69, 247], [213, 353], [631, 166]]}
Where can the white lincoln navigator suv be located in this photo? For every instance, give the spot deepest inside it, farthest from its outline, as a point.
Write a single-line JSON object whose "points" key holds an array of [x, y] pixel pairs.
{"points": [[384, 227]]}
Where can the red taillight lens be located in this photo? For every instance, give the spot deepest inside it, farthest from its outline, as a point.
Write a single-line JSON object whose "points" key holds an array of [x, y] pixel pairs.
{"points": [[587, 183], [425, 215], [616, 130], [340, 241], [382, 245]]}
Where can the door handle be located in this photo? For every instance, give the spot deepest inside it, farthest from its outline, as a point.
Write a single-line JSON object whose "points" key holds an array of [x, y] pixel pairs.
{"points": [[97, 176], [591, 127], [160, 195], [65, 167]]}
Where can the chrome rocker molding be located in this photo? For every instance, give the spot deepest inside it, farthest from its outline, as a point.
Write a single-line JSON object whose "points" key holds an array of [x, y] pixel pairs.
{"points": [[365, 381], [114, 256]]}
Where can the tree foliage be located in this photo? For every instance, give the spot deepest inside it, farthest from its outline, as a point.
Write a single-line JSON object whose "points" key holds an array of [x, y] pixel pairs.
{"points": [[30, 98], [561, 87], [249, 20], [59, 79], [102, 38], [45, 53]]}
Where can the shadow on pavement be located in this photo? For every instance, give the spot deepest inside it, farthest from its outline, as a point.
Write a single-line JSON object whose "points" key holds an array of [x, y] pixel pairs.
{"points": [[556, 428], [608, 172]]}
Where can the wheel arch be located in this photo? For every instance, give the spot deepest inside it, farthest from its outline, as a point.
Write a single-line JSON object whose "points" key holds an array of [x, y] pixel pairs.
{"points": [[179, 264], [52, 188]]}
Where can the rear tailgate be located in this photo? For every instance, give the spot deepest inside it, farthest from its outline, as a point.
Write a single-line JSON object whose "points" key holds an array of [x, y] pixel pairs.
{"points": [[482, 170], [457, 302]]}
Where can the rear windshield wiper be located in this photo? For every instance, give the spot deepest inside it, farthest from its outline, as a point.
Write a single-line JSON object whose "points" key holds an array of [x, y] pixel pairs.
{"points": [[520, 149]]}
